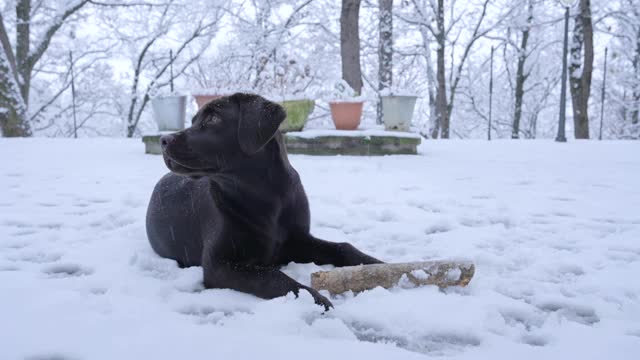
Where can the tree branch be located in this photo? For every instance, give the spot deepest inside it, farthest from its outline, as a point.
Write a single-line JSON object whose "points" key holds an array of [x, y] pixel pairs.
{"points": [[35, 56], [475, 36], [8, 50]]}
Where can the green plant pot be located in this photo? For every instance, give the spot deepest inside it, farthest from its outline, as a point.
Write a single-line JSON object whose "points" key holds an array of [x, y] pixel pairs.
{"points": [[298, 112]]}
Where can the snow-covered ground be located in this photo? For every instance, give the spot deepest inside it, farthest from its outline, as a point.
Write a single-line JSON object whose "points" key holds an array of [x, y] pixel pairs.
{"points": [[554, 231]]}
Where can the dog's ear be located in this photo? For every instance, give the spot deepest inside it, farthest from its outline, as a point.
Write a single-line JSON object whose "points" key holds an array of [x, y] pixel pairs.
{"points": [[259, 121]]}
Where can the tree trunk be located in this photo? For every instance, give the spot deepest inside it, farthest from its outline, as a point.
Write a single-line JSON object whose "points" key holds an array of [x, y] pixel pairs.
{"points": [[442, 115], [23, 44], [520, 75], [15, 94], [385, 51], [635, 109], [13, 121], [350, 44], [424, 31], [13, 124], [131, 130], [580, 69]]}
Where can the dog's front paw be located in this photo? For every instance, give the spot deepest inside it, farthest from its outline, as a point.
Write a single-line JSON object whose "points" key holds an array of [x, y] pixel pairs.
{"points": [[319, 299]]}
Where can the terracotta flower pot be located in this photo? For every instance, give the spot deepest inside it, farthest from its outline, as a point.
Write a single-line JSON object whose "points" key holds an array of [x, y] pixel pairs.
{"points": [[202, 99], [346, 114]]}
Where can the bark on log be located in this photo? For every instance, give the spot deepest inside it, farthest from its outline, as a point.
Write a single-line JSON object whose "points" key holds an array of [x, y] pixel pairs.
{"points": [[365, 277]]}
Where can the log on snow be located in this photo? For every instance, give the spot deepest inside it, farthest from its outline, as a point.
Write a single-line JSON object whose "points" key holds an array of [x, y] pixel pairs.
{"points": [[365, 277]]}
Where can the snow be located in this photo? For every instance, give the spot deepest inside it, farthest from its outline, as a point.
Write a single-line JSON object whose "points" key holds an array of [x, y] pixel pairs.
{"points": [[314, 133], [453, 274], [405, 283], [552, 228], [398, 92], [288, 97], [420, 274], [159, 133]]}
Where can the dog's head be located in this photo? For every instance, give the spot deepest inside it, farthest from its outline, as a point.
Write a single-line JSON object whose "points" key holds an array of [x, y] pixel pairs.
{"points": [[224, 133]]}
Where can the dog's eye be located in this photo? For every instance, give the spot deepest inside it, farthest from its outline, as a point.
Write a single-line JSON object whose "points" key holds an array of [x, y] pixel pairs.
{"points": [[211, 122]]}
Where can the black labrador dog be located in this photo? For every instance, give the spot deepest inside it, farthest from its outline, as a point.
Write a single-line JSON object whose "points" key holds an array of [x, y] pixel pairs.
{"points": [[234, 205]]}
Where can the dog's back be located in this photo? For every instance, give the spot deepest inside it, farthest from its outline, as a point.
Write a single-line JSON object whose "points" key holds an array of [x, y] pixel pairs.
{"points": [[174, 218]]}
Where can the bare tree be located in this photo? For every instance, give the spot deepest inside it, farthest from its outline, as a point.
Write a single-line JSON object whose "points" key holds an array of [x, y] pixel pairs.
{"points": [[621, 21], [448, 35], [16, 66], [420, 15], [431, 77], [52, 107], [12, 106], [580, 69], [350, 44], [148, 32], [521, 76], [443, 35], [282, 47], [385, 51], [266, 37], [442, 113]]}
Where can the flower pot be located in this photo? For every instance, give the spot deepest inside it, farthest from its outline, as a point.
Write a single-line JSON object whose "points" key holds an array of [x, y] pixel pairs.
{"points": [[346, 114], [169, 112], [397, 112], [298, 112], [202, 99]]}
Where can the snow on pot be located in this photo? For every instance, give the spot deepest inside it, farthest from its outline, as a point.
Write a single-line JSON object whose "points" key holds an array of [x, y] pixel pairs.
{"points": [[169, 112], [397, 111], [298, 112]]}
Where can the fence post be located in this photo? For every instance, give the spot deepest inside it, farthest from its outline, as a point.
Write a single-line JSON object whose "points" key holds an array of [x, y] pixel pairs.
{"points": [[73, 96], [604, 85], [171, 69], [490, 95]]}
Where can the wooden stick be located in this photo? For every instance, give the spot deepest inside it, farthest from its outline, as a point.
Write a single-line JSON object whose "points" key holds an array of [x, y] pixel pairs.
{"points": [[366, 277]]}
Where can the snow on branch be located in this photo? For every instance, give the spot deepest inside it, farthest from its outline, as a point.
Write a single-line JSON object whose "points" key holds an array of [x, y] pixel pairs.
{"points": [[42, 44]]}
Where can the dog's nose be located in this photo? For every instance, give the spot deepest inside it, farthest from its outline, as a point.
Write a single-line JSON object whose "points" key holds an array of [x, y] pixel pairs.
{"points": [[166, 140]]}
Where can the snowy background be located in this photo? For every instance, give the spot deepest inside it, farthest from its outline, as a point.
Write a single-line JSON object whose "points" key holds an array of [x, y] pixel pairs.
{"points": [[554, 238], [291, 48], [553, 229]]}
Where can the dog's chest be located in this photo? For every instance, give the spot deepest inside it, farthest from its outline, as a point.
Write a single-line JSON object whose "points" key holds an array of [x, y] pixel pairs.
{"points": [[250, 239], [253, 226], [251, 247]]}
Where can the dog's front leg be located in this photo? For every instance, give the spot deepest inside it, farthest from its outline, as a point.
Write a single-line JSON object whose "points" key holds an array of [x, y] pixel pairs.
{"points": [[266, 283], [306, 248]]}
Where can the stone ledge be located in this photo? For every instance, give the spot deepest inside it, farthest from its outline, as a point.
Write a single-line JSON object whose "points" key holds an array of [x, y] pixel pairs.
{"points": [[358, 142], [333, 142], [152, 144]]}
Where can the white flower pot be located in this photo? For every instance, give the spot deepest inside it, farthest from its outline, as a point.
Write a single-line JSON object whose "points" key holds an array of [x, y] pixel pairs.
{"points": [[169, 112], [397, 112]]}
